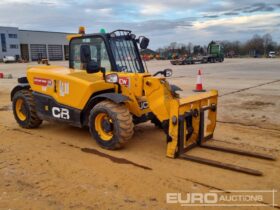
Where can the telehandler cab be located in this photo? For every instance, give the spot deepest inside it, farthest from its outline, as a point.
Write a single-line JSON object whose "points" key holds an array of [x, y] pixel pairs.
{"points": [[108, 88]]}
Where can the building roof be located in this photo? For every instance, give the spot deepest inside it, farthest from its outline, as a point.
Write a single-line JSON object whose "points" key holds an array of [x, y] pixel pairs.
{"points": [[46, 31]]}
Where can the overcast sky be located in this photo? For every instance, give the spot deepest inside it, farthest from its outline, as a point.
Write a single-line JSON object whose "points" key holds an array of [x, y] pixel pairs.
{"points": [[163, 21]]}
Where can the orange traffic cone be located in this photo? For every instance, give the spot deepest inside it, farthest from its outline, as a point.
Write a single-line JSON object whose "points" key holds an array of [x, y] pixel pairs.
{"points": [[199, 87]]}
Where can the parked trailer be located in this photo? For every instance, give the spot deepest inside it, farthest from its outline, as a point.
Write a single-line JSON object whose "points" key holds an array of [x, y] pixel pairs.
{"points": [[189, 60], [215, 53]]}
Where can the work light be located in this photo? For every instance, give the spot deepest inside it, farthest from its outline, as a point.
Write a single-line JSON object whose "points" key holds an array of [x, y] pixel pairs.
{"points": [[112, 78], [168, 72]]}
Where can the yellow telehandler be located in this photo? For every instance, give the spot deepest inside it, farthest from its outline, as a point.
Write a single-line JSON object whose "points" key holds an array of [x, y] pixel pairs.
{"points": [[107, 87]]}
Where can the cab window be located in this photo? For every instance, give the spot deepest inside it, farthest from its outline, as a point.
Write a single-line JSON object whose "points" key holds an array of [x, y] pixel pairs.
{"points": [[87, 52]]}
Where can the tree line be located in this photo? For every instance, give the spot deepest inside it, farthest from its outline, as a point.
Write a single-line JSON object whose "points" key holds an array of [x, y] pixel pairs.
{"points": [[257, 46]]}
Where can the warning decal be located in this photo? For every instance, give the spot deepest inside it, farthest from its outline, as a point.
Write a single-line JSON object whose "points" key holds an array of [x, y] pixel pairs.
{"points": [[42, 81]]}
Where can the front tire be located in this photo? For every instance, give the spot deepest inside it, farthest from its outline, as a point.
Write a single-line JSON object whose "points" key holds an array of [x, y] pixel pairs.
{"points": [[24, 110], [110, 124]]}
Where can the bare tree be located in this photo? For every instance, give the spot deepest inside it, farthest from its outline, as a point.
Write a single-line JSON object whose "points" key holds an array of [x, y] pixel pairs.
{"points": [[267, 42], [190, 48], [197, 49], [173, 46], [255, 46]]}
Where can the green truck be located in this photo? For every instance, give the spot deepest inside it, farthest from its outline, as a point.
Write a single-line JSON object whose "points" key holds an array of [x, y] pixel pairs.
{"points": [[215, 53]]}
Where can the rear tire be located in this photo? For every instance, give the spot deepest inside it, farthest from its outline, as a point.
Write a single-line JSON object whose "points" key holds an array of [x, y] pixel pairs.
{"points": [[24, 110], [110, 124]]}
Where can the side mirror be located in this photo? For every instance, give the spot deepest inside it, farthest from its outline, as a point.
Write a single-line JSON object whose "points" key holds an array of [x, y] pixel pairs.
{"points": [[89, 65], [144, 43], [92, 67]]}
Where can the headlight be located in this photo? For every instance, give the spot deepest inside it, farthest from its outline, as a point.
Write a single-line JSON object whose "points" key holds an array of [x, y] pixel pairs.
{"points": [[112, 78], [168, 72]]}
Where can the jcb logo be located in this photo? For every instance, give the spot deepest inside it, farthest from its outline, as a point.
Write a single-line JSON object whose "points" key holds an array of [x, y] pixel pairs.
{"points": [[60, 113]]}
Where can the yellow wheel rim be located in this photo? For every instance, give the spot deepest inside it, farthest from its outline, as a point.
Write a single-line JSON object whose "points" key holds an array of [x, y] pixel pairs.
{"points": [[99, 126], [19, 107]]}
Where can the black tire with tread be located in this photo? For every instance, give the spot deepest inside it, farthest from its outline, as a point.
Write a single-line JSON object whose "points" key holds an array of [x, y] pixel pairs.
{"points": [[32, 120], [122, 124]]}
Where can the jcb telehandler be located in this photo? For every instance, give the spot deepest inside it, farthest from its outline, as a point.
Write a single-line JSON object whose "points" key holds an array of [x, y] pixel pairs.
{"points": [[108, 88]]}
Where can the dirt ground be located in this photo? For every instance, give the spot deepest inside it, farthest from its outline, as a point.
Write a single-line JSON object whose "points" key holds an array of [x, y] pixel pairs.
{"points": [[60, 167]]}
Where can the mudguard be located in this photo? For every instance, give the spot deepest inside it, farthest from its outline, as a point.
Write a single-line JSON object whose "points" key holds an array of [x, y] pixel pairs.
{"points": [[21, 86], [115, 97]]}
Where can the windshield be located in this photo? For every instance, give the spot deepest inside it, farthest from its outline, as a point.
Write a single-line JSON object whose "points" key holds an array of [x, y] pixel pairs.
{"points": [[126, 54]]}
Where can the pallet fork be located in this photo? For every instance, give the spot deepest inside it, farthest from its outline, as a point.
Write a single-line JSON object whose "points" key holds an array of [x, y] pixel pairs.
{"points": [[203, 139], [191, 123]]}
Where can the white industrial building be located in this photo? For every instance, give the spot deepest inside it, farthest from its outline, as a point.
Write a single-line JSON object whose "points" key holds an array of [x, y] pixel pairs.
{"points": [[29, 45]]}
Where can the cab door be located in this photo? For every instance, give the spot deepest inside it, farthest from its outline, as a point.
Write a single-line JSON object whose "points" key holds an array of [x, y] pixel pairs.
{"points": [[86, 54]]}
